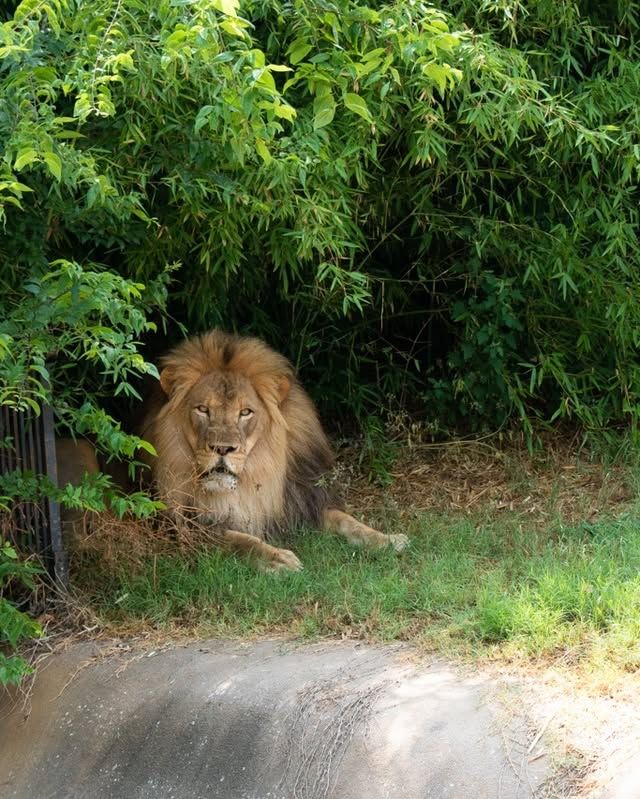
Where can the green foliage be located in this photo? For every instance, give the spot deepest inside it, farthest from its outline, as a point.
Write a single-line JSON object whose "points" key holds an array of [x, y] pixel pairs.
{"points": [[438, 204], [15, 626], [70, 315], [487, 360], [378, 453], [67, 326], [95, 492]]}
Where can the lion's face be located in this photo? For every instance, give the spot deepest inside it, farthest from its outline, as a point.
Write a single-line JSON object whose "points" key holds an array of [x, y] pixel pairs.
{"points": [[224, 420], [236, 437]]}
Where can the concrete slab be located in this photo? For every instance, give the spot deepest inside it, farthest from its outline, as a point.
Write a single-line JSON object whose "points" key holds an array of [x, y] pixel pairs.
{"points": [[261, 721]]}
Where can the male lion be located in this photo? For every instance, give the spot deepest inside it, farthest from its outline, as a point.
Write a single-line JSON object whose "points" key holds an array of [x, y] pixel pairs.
{"points": [[240, 448]]}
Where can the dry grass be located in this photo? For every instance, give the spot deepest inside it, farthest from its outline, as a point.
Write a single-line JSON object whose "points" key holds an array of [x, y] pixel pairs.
{"points": [[131, 542], [558, 482]]}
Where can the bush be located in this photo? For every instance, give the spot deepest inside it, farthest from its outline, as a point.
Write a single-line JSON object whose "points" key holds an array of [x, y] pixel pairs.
{"points": [[405, 204], [14, 625], [434, 205]]}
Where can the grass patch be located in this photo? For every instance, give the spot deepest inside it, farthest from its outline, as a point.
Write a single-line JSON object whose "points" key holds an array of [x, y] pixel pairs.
{"points": [[466, 586]]}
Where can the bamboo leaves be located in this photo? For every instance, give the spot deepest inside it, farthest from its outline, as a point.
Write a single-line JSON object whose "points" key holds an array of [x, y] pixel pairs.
{"points": [[443, 202]]}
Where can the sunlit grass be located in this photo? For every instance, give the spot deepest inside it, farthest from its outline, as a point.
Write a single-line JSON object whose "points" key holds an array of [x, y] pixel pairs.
{"points": [[465, 585]]}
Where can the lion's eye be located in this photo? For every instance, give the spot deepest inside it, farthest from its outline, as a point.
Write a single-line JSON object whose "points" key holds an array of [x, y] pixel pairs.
{"points": [[246, 412], [202, 409]]}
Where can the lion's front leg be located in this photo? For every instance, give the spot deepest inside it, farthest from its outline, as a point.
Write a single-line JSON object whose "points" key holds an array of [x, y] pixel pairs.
{"points": [[269, 558], [336, 521]]}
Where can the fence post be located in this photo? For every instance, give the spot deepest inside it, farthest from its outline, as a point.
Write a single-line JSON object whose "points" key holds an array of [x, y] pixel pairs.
{"points": [[60, 559], [34, 528]]}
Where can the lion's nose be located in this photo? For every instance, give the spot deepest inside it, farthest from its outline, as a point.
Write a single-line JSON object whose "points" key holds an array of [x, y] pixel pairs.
{"points": [[222, 449]]}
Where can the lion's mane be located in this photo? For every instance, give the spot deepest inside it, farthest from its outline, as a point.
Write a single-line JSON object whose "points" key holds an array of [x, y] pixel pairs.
{"points": [[281, 484]]}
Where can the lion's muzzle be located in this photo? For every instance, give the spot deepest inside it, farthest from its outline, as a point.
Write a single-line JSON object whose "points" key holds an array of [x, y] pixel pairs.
{"points": [[219, 477]]}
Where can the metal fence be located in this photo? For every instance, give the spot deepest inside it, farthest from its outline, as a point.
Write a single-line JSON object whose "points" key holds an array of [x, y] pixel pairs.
{"points": [[27, 444]]}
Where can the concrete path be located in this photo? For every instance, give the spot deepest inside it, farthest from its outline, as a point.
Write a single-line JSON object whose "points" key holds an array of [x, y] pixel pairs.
{"points": [[263, 720]]}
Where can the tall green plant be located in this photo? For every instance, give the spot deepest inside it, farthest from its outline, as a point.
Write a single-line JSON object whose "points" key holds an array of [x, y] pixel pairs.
{"points": [[434, 203]]}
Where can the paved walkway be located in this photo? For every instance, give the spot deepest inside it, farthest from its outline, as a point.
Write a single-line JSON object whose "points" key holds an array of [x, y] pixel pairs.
{"points": [[263, 720]]}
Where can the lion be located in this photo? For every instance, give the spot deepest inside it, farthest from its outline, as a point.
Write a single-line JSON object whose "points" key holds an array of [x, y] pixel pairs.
{"points": [[240, 449]]}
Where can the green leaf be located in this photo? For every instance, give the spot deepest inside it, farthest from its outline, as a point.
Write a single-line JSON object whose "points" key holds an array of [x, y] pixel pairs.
{"points": [[125, 60], [175, 39], [202, 117], [324, 109], [263, 151], [448, 42], [228, 7], [374, 54], [298, 50], [279, 68], [54, 164], [438, 74], [147, 447], [233, 26], [25, 158], [355, 103], [284, 111], [265, 79]]}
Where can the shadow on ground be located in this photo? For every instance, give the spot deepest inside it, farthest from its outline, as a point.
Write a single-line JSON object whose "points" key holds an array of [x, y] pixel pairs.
{"points": [[260, 721]]}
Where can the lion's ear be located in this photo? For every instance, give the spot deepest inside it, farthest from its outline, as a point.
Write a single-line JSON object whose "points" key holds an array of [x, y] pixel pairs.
{"points": [[167, 380], [283, 387]]}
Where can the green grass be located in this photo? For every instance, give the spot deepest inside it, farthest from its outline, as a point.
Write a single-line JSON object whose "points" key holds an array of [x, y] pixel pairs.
{"points": [[465, 585]]}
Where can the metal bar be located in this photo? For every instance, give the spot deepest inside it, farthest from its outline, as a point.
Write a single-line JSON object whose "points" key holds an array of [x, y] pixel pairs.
{"points": [[43, 543], [31, 435], [7, 457], [3, 434], [6, 432], [23, 536], [41, 468], [30, 522], [60, 561]]}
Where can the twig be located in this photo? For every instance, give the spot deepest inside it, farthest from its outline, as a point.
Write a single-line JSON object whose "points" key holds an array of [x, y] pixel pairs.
{"points": [[540, 734]]}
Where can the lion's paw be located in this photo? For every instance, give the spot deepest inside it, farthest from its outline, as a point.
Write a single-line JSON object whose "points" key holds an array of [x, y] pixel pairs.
{"points": [[282, 560], [399, 541]]}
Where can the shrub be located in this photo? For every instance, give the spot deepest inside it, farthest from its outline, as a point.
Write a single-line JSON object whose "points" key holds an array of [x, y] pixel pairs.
{"points": [[14, 625], [434, 203]]}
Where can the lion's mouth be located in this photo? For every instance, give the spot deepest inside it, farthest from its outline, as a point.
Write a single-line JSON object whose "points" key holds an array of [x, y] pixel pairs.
{"points": [[216, 471], [219, 478]]}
